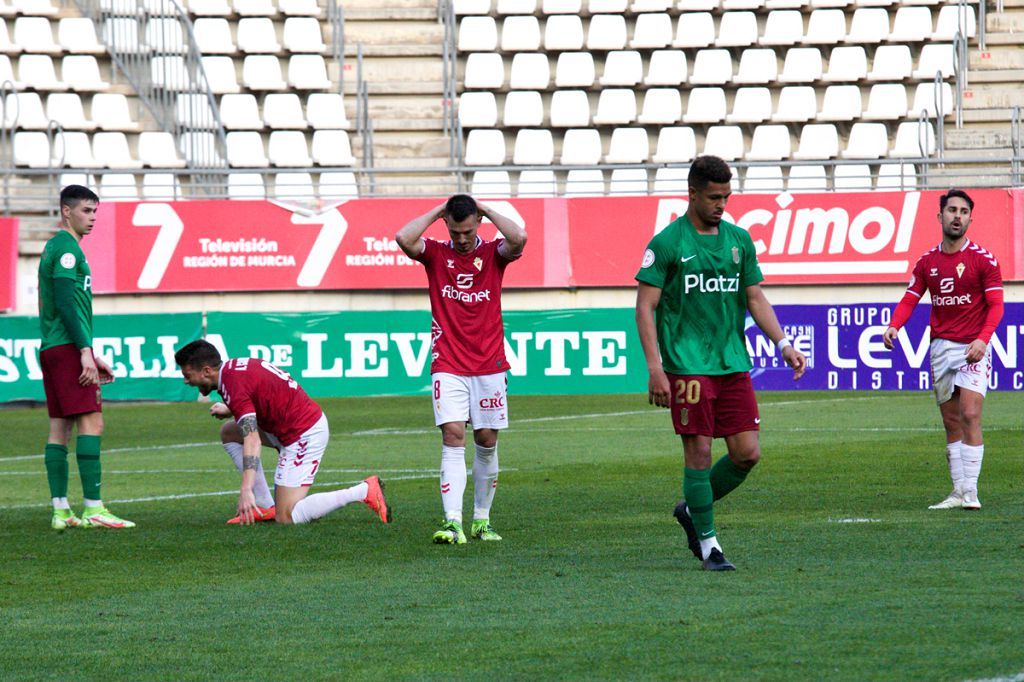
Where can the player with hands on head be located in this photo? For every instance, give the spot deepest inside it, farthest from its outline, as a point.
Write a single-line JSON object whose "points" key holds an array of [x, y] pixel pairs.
{"points": [[698, 280], [467, 373], [72, 372], [269, 407], [966, 289]]}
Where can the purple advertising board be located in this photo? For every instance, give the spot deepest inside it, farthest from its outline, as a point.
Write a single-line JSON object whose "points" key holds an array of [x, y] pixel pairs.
{"points": [[843, 344]]}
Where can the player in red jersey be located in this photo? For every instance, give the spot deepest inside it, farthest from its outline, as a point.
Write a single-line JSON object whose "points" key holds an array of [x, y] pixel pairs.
{"points": [[966, 290], [269, 407], [468, 366]]}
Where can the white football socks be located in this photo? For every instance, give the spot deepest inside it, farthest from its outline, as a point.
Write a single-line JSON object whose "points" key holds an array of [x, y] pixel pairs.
{"points": [[259, 489], [453, 481], [971, 456], [485, 480], [956, 467], [708, 544], [60, 503], [322, 504]]}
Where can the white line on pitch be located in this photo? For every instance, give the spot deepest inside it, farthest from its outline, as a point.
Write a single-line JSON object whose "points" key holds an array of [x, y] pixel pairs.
{"points": [[110, 472], [216, 493]]}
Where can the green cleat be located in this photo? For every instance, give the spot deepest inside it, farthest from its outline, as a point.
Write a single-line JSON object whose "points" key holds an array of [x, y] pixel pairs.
{"points": [[100, 517], [483, 530], [450, 534], [65, 518]]}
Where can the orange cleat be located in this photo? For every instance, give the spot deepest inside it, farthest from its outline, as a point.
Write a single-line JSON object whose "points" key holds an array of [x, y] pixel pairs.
{"points": [[262, 515], [375, 499]]}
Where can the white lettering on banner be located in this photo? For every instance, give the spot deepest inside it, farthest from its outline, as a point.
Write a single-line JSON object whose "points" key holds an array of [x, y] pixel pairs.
{"points": [[366, 355], [859, 316], [1007, 354], [279, 355], [137, 367], [207, 262], [558, 340], [413, 363], [711, 284], [260, 245], [870, 342], [27, 350], [601, 353], [765, 354], [333, 227], [374, 244], [605, 350], [314, 358], [171, 229], [795, 233]]}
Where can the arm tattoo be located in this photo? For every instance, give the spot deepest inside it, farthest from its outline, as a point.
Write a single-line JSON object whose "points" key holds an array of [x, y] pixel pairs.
{"points": [[248, 425], [250, 462]]}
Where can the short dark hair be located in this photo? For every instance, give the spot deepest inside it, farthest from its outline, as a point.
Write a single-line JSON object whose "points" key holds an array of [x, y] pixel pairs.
{"points": [[198, 354], [944, 199], [72, 194], [708, 168], [459, 207]]}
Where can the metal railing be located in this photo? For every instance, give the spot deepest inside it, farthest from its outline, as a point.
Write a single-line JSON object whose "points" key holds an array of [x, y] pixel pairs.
{"points": [[152, 44], [364, 125], [940, 116], [336, 19], [960, 72], [449, 57], [7, 140], [1015, 143]]}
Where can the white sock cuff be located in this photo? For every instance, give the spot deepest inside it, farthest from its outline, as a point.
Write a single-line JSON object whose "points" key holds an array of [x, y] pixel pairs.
{"points": [[449, 452], [954, 447], [485, 453]]}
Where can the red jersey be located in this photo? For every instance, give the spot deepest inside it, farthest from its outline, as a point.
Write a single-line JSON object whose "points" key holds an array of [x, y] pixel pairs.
{"points": [[467, 332], [252, 386], [958, 284]]}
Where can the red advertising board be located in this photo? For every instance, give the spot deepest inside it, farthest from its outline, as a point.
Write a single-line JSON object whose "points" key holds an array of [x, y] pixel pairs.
{"points": [[260, 246], [8, 261]]}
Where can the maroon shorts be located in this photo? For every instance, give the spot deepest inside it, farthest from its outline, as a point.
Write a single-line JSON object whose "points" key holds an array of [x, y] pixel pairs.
{"points": [[65, 397], [715, 406]]}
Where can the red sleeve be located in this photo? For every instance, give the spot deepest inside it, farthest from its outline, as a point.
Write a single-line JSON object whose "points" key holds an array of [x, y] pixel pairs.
{"points": [[429, 245], [241, 401], [910, 299], [994, 298]]}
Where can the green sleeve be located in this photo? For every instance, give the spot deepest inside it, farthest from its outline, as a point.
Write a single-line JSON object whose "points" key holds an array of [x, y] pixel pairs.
{"points": [[657, 261], [751, 270], [64, 300]]}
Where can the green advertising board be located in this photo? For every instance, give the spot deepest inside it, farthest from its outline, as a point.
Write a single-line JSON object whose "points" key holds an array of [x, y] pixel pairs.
{"points": [[341, 353]]}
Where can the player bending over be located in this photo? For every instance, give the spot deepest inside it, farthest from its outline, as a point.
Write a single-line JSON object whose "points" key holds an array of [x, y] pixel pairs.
{"points": [[269, 407]]}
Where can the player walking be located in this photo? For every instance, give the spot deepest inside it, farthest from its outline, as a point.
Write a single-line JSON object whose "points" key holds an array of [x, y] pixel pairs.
{"points": [[467, 374], [698, 279], [72, 374], [966, 290], [268, 405]]}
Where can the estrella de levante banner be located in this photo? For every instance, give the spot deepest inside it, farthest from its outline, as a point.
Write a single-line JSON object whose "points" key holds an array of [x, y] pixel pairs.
{"points": [[551, 352]]}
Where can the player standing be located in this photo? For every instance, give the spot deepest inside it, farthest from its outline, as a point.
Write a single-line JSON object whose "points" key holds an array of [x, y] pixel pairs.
{"points": [[467, 373], [966, 290], [72, 374], [698, 279], [268, 405]]}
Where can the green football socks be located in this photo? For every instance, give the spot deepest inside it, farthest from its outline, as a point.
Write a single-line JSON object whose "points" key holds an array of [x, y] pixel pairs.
{"points": [[55, 456], [726, 477], [87, 451], [700, 500]]}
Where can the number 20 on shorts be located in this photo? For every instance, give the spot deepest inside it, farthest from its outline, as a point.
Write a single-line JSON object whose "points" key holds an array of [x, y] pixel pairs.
{"points": [[687, 391]]}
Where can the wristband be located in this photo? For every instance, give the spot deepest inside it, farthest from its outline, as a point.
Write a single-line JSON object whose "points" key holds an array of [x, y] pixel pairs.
{"points": [[783, 344]]}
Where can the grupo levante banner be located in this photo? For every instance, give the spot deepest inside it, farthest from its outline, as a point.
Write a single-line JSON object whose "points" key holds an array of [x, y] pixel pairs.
{"points": [[576, 242], [551, 352]]}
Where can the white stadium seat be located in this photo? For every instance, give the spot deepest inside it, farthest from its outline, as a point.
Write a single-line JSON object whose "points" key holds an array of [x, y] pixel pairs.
{"points": [[477, 34], [119, 187], [485, 70], [705, 105], [652, 31], [848, 63], [240, 112], [283, 110], [675, 145], [294, 187], [628, 145], [156, 150], [574, 70], [763, 179], [563, 32], [220, 74], [782, 27], [666, 67], [661, 106], [530, 71], [869, 25], [893, 63], [520, 34], [308, 72], [886, 101], [37, 70], [262, 72], [246, 186], [478, 110], [491, 184], [110, 111], [256, 35], [82, 73], [523, 108], [797, 104], [66, 108], [725, 142], [852, 178], [289, 148], [802, 65], [925, 100], [245, 150], [302, 34], [615, 106], [78, 35], [622, 68], [751, 105], [24, 110], [840, 103], [769, 143], [533, 147], [485, 148], [695, 29], [628, 182], [934, 58], [712, 67], [161, 187], [213, 35], [866, 141], [111, 150], [913, 140], [671, 181], [581, 147], [952, 20], [606, 32], [570, 109], [757, 65], [35, 34], [911, 25], [825, 27], [326, 110], [896, 176], [30, 148], [818, 141], [74, 150], [332, 148], [737, 29]]}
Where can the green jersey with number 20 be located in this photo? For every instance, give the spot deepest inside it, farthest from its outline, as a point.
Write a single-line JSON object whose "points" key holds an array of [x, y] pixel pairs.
{"points": [[703, 306]]}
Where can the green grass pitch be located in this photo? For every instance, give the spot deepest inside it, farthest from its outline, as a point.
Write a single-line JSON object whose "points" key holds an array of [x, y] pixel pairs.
{"points": [[843, 572]]}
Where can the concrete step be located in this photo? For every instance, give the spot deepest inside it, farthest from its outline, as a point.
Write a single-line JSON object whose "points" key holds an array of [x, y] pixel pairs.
{"points": [[979, 139], [351, 5], [994, 58], [406, 149], [419, 184], [996, 76], [391, 13], [398, 107], [393, 33], [989, 96], [987, 116], [1003, 39], [398, 75], [370, 50], [1004, 22]]}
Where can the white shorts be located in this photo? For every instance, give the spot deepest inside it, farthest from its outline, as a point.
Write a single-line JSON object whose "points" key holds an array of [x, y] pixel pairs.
{"points": [[481, 400], [949, 369], [297, 463]]}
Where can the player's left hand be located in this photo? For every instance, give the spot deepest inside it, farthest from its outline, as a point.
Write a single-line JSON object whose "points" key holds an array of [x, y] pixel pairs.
{"points": [[796, 360], [106, 374], [220, 410], [976, 351]]}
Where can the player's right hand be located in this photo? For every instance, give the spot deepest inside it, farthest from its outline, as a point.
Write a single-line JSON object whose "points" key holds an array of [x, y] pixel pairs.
{"points": [[247, 507], [220, 411], [90, 374], [889, 336], [658, 388]]}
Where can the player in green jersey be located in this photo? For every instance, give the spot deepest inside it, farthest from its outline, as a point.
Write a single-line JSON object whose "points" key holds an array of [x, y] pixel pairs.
{"points": [[72, 374], [698, 279]]}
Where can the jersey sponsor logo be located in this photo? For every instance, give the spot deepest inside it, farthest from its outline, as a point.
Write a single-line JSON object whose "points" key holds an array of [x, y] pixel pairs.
{"points": [[648, 260], [686, 258], [708, 285], [464, 280], [465, 296], [68, 261], [964, 299], [946, 285], [87, 283], [495, 402]]}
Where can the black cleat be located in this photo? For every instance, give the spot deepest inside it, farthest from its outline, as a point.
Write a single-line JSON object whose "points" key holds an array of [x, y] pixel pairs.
{"points": [[717, 562], [682, 514]]}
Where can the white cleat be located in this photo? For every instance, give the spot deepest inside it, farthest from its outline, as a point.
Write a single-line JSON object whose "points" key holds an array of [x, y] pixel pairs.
{"points": [[954, 501], [971, 500]]}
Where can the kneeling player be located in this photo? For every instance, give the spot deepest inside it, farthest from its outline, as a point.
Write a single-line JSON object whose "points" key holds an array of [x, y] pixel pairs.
{"points": [[270, 407]]}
